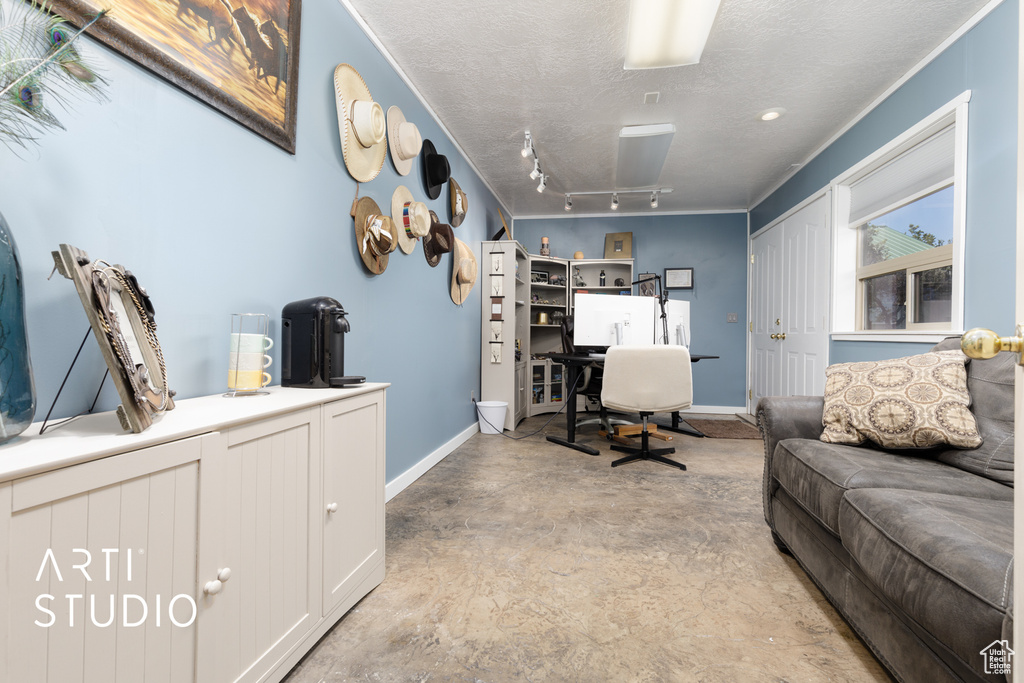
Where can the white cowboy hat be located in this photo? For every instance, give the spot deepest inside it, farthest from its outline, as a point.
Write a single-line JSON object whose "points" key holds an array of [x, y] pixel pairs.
{"points": [[361, 124], [404, 140], [411, 218], [464, 271]]}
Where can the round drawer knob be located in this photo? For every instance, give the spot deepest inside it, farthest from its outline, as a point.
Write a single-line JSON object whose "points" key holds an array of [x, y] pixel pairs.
{"points": [[213, 587], [332, 507], [224, 574]]}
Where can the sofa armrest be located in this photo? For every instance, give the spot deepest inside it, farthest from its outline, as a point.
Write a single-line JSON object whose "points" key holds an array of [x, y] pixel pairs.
{"points": [[785, 417]]}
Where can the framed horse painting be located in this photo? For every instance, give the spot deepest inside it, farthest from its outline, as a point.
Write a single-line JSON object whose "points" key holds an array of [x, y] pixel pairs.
{"points": [[238, 56]]}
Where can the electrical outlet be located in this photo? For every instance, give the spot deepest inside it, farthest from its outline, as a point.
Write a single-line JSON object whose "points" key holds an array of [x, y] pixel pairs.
{"points": [[732, 317]]}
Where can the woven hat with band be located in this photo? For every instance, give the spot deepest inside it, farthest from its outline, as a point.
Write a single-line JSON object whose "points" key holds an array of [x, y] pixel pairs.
{"points": [[464, 271], [375, 234], [361, 124], [411, 218], [440, 240], [436, 170], [459, 203], [404, 140]]}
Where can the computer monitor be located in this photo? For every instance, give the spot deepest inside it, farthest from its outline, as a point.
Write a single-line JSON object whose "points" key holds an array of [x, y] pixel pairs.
{"points": [[678, 316], [603, 320]]}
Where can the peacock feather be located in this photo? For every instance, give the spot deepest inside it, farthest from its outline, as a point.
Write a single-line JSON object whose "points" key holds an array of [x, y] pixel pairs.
{"points": [[40, 68]]}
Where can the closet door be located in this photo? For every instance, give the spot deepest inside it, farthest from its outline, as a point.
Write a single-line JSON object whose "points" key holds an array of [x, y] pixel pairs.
{"points": [[765, 310]]}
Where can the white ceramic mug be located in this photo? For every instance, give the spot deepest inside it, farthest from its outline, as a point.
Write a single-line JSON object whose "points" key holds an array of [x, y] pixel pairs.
{"points": [[243, 342], [247, 362], [247, 380]]}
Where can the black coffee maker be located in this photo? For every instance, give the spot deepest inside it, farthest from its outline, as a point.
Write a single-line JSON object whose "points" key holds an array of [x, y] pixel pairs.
{"points": [[313, 344]]}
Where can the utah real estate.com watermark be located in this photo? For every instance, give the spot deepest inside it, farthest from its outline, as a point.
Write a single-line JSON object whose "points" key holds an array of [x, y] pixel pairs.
{"points": [[135, 610], [997, 656]]}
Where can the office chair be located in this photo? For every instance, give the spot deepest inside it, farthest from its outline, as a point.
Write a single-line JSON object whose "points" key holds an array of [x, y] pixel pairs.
{"points": [[591, 381], [647, 380]]}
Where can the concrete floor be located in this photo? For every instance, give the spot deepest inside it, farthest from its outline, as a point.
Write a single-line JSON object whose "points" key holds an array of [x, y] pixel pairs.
{"points": [[526, 561]]}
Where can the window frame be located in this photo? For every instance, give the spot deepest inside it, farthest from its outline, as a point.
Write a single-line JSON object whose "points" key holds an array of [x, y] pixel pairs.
{"points": [[848, 274]]}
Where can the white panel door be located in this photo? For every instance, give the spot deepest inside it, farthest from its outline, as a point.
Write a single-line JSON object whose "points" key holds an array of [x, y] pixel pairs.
{"points": [[765, 311], [805, 300], [258, 566], [110, 546], [353, 499]]}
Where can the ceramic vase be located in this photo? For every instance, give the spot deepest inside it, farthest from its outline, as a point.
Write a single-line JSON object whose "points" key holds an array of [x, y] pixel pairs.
{"points": [[17, 389]]}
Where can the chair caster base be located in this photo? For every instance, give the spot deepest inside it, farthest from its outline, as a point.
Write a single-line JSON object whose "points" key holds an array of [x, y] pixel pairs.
{"points": [[655, 454]]}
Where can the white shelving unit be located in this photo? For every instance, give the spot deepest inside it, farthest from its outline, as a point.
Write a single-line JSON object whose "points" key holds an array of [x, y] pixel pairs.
{"points": [[549, 304], [588, 271], [505, 334]]}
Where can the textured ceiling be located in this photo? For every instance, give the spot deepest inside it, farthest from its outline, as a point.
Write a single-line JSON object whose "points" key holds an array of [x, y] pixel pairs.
{"points": [[554, 67]]}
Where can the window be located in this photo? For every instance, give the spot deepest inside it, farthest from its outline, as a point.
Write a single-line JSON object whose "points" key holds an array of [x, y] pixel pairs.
{"points": [[898, 240]]}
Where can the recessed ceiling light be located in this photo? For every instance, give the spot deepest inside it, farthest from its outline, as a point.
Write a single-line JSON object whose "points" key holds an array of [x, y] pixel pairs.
{"points": [[771, 114]]}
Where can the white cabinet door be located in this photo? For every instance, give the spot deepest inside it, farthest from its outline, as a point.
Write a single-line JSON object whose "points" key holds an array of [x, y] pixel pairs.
{"points": [[353, 500], [258, 592], [110, 545]]}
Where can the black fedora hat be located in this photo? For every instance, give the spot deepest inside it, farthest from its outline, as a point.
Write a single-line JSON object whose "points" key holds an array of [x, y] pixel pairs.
{"points": [[436, 170]]}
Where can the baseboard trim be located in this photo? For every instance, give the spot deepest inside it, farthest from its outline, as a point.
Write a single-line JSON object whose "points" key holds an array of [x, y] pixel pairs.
{"points": [[715, 410], [402, 481]]}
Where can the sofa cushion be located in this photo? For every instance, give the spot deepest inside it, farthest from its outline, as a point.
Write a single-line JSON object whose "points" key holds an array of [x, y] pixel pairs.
{"points": [[945, 560], [913, 402], [817, 475], [991, 385]]}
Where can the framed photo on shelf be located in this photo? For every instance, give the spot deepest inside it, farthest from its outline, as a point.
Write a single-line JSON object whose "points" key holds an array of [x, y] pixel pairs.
{"points": [[618, 245], [679, 278], [538, 277], [648, 284]]}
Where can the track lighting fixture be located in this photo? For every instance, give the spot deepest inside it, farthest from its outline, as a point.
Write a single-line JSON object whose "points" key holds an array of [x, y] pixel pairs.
{"points": [[527, 145], [654, 194], [543, 183], [654, 200], [536, 172], [568, 202], [615, 202]]}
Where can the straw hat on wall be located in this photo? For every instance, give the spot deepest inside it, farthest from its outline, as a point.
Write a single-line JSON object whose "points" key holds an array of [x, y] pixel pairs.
{"points": [[411, 218], [361, 124], [464, 271], [375, 234], [459, 203], [404, 140]]}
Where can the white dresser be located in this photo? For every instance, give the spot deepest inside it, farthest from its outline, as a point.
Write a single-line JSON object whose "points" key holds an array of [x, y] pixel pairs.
{"points": [[219, 545]]}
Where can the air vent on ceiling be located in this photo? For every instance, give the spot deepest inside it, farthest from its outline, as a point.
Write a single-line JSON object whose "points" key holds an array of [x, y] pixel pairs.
{"points": [[652, 97]]}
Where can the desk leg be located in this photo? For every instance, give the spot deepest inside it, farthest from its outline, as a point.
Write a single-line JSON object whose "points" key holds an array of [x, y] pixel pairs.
{"points": [[573, 372], [680, 426]]}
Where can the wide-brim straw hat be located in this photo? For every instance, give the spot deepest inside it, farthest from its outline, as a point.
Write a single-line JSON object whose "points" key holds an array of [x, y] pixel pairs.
{"points": [[436, 170], [464, 271], [361, 124], [440, 240], [411, 218], [404, 141], [375, 234], [459, 203]]}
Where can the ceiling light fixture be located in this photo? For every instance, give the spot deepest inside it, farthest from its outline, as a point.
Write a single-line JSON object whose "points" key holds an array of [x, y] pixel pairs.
{"points": [[665, 33], [543, 183], [642, 154], [654, 199], [771, 114], [527, 146], [615, 201], [655, 196], [536, 172], [568, 202]]}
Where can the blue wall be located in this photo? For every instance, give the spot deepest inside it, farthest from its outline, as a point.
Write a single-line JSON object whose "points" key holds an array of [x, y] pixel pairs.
{"points": [[214, 220], [984, 61], [714, 245]]}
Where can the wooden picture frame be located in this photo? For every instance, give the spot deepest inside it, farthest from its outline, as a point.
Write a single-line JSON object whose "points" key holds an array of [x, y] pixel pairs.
{"points": [[678, 278], [243, 64], [618, 245], [539, 277]]}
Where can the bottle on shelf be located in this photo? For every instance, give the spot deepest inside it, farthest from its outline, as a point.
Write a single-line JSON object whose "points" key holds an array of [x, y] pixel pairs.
{"points": [[602, 278]]}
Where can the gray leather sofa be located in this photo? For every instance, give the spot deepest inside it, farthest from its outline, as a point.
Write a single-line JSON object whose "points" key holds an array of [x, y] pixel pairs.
{"points": [[914, 549]]}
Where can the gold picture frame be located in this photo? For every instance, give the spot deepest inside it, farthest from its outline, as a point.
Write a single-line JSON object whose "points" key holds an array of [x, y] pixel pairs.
{"points": [[618, 245]]}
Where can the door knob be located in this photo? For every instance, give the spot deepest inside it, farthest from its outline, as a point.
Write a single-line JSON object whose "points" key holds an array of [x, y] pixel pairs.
{"points": [[213, 587], [782, 335], [773, 336], [981, 344], [332, 507]]}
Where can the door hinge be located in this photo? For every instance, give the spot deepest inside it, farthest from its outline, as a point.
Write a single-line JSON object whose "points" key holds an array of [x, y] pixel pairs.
{"points": [[751, 258], [751, 325], [750, 394]]}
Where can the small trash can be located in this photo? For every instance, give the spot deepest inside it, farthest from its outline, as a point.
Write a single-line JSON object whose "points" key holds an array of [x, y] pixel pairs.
{"points": [[491, 413]]}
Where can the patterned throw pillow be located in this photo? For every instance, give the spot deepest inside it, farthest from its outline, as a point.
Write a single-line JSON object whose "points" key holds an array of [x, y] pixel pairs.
{"points": [[913, 402]]}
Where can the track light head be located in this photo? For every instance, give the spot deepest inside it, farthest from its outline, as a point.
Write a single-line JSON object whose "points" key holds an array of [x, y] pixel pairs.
{"points": [[568, 202], [536, 172], [654, 200], [615, 201], [527, 145], [543, 183]]}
